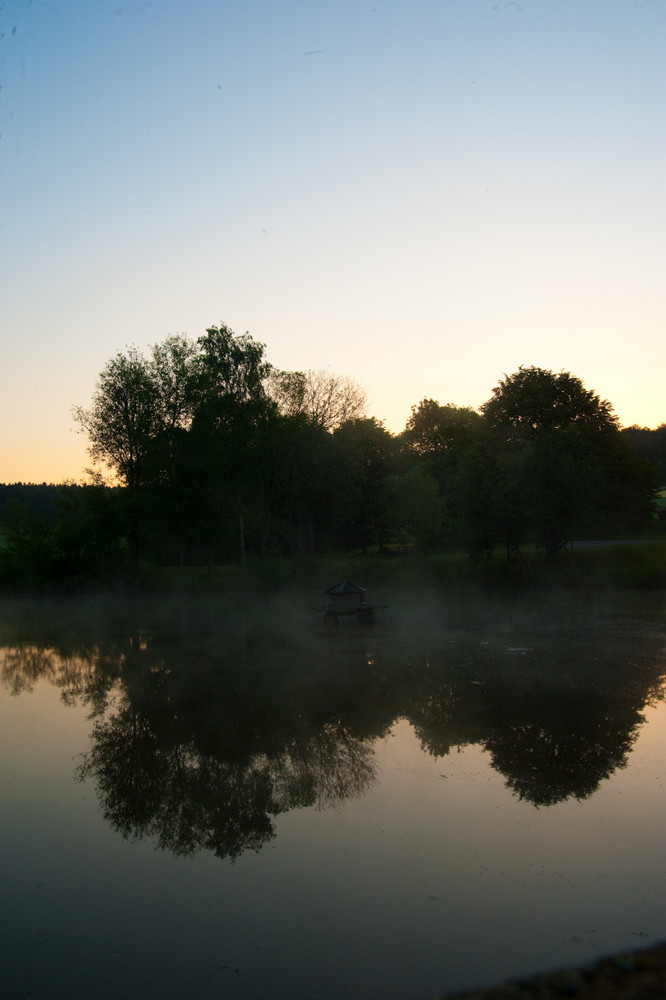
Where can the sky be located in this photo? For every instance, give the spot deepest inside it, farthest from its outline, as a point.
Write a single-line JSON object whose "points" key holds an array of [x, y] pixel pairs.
{"points": [[420, 194]]}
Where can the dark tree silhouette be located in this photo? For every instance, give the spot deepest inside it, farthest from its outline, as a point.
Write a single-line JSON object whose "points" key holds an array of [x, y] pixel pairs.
{"points": [[562, 464]]}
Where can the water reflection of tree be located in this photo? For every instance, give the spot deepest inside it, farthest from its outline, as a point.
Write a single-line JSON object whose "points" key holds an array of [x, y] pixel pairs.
{"points": [[81, 678], [547, 766], [189, 800], [556, 721], [73, 645], [209, 726], [185, 800], [24, 665], [201, 739]]}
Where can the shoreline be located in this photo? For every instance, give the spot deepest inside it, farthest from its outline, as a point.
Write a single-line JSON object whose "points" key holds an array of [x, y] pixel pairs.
{"points": [[623, 975]]}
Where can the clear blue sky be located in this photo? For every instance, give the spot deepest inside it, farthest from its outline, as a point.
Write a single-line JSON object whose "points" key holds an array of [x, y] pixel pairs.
{"points": [[423, 195]]}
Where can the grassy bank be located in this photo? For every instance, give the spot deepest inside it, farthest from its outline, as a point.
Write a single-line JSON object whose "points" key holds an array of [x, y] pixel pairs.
{"points": [[638, 565]]}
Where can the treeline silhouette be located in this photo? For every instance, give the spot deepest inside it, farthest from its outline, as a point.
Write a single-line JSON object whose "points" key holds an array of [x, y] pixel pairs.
{"points": [[203, 452]]}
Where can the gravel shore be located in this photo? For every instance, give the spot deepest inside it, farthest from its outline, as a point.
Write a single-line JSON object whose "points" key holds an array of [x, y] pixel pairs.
{"points": [[630, 975]]}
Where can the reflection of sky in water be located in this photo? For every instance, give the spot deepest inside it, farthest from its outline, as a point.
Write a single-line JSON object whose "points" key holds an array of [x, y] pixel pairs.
{"points": [[477, 876], [439, 877]]}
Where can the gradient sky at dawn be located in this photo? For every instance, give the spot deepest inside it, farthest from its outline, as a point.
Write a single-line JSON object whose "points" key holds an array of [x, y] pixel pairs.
{"points": [[423, 195]]}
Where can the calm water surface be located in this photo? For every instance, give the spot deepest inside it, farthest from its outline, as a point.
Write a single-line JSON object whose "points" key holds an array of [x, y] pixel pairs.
{"points": [[204, 799]]}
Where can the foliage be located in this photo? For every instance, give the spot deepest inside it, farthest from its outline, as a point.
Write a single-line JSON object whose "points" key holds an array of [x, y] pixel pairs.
{"points": [[123, 417], [79, 541], [234, 371], [221, 457], [440, 432], [651, 445], [415, 505], [364, 454], [448, 441], [561, 462], [534, 400]]}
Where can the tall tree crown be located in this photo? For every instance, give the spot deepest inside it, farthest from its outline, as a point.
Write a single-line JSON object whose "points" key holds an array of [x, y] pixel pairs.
{"points": [[234, 364], [123, 417], [535, 399], [433, 429], [326, 399]]}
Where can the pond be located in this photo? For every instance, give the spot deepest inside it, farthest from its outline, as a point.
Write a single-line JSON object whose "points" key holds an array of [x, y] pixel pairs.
{"points": [[214, 797]]}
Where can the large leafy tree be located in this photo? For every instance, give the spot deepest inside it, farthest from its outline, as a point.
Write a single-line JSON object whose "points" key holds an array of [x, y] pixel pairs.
{"points": [[562, 464], [440, 433], [231, 422], [175, 368], [414, 507], [234, 369], [364, 451], [123, 419], [297, 468], [141, 408], [122, 424], [534, 401], [446, 439], [650, 443]]}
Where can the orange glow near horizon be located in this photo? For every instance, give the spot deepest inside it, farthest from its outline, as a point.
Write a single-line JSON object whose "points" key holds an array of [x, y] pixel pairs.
{"points": [[44, 464]]}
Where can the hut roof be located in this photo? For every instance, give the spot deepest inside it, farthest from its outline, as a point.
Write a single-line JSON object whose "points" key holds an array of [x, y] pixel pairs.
{"points": [[346, 587]]}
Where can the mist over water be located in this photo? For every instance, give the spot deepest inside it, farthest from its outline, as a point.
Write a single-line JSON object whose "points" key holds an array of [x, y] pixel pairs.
{"points": [[218, 795]]}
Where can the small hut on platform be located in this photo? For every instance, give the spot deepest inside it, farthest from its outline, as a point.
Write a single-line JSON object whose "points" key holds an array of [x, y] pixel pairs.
{"points": [[347, 595], [347, 598]]}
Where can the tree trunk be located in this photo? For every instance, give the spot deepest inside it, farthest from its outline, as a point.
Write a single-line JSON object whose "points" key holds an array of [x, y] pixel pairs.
{"points": [[134, 546], [241, 537], [552, 547], [266, 532]]}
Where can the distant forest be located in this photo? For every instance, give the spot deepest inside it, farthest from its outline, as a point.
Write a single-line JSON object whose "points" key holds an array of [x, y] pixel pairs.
{"points": [[203, 453]]}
